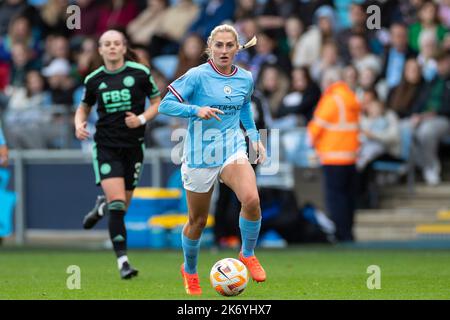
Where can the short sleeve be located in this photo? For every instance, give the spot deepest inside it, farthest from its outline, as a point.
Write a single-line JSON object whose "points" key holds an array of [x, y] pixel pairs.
{"points": [[151, 89], [89, 96]]}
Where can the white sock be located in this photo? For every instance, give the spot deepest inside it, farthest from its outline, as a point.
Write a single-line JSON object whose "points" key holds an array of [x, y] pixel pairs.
{"points": [[100, 210], [121, 260]]}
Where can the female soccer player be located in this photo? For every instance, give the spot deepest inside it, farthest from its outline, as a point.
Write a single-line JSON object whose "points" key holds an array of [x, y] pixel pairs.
{"points": [[215, 96], [120, 88]]}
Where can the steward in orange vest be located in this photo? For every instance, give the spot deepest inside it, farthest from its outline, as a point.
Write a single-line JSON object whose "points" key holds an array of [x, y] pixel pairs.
{"points": [[334, 128]]}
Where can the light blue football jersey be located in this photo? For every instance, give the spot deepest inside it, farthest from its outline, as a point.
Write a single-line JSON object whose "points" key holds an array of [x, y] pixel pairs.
{"points": [[210, 142]]}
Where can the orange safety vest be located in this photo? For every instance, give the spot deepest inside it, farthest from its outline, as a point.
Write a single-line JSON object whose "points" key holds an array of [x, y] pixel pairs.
{"points": [[334, 128]]}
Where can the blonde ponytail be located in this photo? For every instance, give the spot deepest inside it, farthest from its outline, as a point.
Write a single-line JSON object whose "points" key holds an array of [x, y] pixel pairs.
{"points": [[252, 42]]}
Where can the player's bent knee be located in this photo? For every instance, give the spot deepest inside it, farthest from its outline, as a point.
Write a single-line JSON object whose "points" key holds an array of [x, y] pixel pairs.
{"points": [[198, 223], [251, 202]]}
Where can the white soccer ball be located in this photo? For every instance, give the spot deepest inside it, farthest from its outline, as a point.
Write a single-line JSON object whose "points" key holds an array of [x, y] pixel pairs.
{"points": [[229, 277]]}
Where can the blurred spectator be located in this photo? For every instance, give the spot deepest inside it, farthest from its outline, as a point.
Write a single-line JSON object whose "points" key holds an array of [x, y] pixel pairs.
{"points": [[403, 97], [431, 120], [367, 79], [116, 14], [361, 57], [444, 12], [350, 76], [380, 133], [89, 15], [409, 10], [273, 84], [144, 26], [329, 58], [27, 115], [87, 58], [311, 41], [428, 20], [306, 9], [302, 100], [168, 35], [8, 10], [245, 9], [446, 43], [21, 63], [396, 54], [19, 31], [274, 13], [61, 85], [191, 54], [428, 48], [53, 17], [358, 18], [337, 149], [212, 13], [56, 46], [293, 29]]}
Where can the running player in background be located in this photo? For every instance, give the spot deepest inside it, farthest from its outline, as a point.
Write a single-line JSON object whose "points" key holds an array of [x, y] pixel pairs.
{"points": [[215, 96], [119, 88]]}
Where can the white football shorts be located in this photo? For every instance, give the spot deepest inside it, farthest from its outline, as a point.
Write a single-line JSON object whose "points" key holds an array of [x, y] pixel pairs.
{"points": [[201, 180]]}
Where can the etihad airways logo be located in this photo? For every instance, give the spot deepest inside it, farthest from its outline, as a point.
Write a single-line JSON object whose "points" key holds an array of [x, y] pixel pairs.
{"points": [[228, 108]]}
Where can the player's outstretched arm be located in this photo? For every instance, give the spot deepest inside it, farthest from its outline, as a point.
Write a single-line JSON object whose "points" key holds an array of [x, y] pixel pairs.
{"points": [[81, 116], [171, 106]]}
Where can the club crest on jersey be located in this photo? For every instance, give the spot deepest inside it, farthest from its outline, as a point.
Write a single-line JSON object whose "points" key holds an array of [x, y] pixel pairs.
{"points": [[128, 81], [227, 89]]}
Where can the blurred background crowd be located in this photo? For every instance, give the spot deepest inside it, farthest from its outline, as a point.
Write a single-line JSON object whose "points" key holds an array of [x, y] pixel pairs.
{"points": [[399, 72]]}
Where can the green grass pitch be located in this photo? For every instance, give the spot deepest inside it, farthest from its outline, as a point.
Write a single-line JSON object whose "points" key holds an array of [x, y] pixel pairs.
{"points": [[305, 272]]}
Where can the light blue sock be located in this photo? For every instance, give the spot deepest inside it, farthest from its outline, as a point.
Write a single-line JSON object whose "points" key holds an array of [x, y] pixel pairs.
{"points": [[249, 235], [190, 251]]}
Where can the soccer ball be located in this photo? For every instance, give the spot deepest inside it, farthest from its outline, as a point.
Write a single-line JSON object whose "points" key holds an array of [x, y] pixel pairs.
{"points": [[229, 277]]}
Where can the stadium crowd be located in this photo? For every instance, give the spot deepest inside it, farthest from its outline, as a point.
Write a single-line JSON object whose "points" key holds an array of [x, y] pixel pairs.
{"points": [[400, 72]]}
